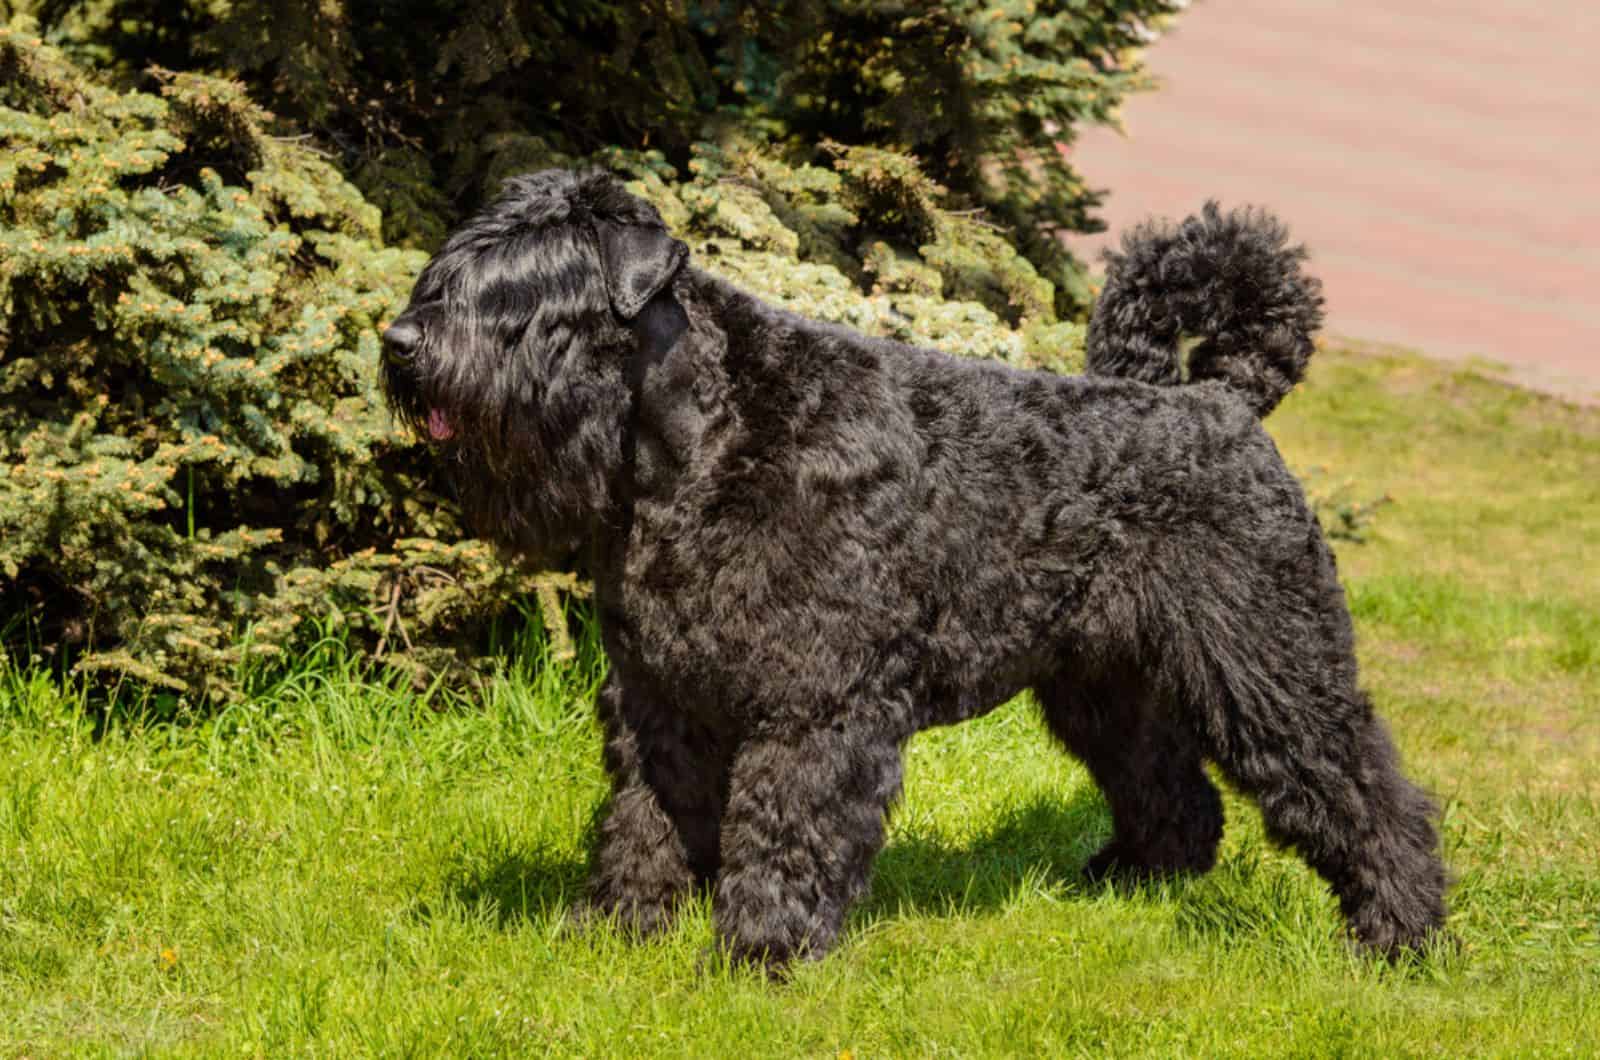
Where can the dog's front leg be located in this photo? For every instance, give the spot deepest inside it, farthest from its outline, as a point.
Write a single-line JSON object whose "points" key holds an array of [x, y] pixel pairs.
{"points": [[658, 838], [805, 818]]}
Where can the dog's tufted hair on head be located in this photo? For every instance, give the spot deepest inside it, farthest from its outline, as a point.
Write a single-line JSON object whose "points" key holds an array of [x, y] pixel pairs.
{"points": [[513, 351]]}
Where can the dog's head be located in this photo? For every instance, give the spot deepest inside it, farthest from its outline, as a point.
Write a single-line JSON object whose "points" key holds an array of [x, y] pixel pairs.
{"points": [[513, 354]]}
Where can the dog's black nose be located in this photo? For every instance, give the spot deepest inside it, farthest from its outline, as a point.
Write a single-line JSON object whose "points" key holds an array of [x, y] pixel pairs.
{"points": [[400, 338]]}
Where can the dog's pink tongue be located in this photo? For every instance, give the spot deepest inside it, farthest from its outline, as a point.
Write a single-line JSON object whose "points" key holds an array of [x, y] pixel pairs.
{"points": [[439, 425]]}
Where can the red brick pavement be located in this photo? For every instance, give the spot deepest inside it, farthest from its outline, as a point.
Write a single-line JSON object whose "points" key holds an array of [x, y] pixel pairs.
{"points": [[1441, 158]]}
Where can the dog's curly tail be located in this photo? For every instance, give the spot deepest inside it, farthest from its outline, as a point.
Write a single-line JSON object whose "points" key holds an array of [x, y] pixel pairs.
{"points": [[1232, 282]]}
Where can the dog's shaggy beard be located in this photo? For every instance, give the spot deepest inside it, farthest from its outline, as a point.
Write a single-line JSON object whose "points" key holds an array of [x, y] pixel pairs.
{"points": [[515, 370]]}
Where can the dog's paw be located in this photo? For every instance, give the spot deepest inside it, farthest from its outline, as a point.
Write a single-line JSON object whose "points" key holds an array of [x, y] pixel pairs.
{"points": [[583, 918], [636, 920], [1115, 863], [718, 959], [1109, 864]]}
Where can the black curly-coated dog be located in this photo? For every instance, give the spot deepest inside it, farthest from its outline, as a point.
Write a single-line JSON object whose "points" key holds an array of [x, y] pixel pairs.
{"points": [[808, 544]]}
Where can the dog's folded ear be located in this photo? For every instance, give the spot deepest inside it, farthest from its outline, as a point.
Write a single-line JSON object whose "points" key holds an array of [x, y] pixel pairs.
{"points": [[638, 260]]}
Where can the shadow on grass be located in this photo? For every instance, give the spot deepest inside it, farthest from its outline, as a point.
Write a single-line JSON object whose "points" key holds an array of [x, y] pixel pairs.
{"points": [[1045, 841], [519, 888]]}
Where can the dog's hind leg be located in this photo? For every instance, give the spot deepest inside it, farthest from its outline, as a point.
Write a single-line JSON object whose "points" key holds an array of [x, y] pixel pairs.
{"points": [[1166, 814], [659, 836], [1324, 772], [805, 818]]}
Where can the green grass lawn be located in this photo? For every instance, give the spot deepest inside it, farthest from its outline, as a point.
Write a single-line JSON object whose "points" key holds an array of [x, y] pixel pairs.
{"points": [[340, 867]]}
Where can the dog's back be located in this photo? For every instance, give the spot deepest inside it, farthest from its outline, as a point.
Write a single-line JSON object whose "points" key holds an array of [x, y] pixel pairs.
{"points": [[1000, 517]]}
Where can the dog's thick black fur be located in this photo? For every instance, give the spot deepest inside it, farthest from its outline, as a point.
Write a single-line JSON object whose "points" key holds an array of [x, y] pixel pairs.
{"points": [[807, 545]]}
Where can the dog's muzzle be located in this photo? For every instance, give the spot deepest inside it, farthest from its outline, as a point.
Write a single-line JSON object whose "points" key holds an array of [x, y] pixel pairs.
{"points": [[400, 341]]}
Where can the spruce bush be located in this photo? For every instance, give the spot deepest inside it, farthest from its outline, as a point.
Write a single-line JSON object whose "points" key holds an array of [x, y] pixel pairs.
{"points": [[430, 105], [194, 458]]}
